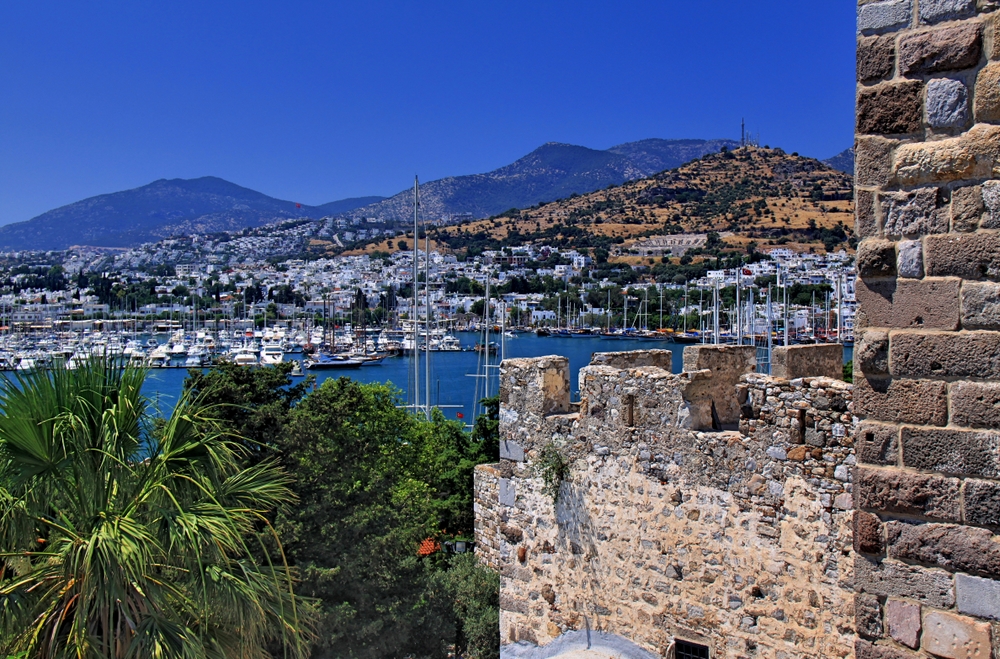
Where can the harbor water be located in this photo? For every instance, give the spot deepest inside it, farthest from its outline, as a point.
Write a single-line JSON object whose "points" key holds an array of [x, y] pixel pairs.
{"points": [[453, 375]]}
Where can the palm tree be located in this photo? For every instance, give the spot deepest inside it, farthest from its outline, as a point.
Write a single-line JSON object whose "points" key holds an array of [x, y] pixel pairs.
{"points": [[122, 537]]}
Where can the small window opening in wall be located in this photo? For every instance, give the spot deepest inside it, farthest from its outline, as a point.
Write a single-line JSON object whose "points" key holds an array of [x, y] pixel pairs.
{"points": [[687, 650], [630, 410]]}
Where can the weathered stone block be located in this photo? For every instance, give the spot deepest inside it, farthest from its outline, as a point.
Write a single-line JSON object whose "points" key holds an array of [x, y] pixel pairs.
{"points": [[903, 620], [914, 213], [821, 360], [975, 404], [935, 11], [944, 354], [895, 491], [947, 103], [969, 256], [877, 443], [982, 502], [975, 154], [871, 352], [890, 108], [508, 494], [865, 650], [884, 15], [867, 533], [868, 615], [991, 201], [872, 160], [901, 401], [865, 221], [727, 364], [538, 385], [947, 49], [511, 450], [914, 303], [887, 578], [910, 262], [876, 57], [955, 637], [976, 596], [966, 208], [634, 359], [952, 451], [876, 258], [950, 546], [987, 105], [980, 305]]}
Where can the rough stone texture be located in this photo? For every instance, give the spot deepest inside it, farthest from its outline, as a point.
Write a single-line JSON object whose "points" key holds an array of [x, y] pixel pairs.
{"points": [[950, 546], [867, 533], [987, 105], [868, 616], [975, 404], [871, 352], [790, 362], [973, 354], [980, 305], [981, 500], [952, 451], [541, 388], [903, 620], [876, 58], [915, 303], [947, 103], [991, 201], [913, 213], [872, 158], [877, 443], [876, 258], [977, 596], [634, 359], [865, 221], [865, 650], [890, 108], [726, 364], [884, 15], [894, 491], [627, 548], [935, 11], [947, 49], [486, 507], [511, 450], [887, 578], [902, 401], [969, 256], [910, 259], [955, 637], [966, 208], [974, 154]]}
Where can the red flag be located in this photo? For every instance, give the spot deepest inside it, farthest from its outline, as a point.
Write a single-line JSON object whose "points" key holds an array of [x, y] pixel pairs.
{"points": [[747, 272], [460, 415], [298, 205]]}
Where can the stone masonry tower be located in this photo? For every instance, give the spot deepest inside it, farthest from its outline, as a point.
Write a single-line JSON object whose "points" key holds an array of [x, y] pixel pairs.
{"points": [[927, 486]]}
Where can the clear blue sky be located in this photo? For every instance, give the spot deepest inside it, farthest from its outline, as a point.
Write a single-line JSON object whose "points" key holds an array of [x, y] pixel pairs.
{"points": [[316, 101]]}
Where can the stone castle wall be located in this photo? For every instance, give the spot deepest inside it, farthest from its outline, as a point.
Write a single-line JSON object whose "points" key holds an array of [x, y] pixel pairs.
{"points": [[667, 526], [928, 353]]}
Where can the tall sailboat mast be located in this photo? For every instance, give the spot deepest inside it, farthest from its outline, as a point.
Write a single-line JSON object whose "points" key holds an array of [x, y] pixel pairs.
{"points": [[416, 270]]}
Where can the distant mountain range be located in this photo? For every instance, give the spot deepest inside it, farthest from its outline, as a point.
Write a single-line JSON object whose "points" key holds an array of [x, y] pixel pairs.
{"points": [[173, 207], [161, 209], [843, 161]]}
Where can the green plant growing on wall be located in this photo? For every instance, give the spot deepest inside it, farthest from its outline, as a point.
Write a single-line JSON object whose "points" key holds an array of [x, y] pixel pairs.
{"points": [[552, 468]]}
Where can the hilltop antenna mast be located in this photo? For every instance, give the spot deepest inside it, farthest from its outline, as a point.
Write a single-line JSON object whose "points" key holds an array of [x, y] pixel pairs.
{"points": [[743, 133]]}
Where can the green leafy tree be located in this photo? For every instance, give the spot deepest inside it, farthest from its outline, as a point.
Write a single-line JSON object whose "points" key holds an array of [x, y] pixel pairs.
{"points": [[125, 538]]}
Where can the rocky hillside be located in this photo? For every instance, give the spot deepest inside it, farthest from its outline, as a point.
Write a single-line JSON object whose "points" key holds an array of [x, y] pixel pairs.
{"points": [[549, 172], [843, 161], [161, 209], [750, 194]]}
